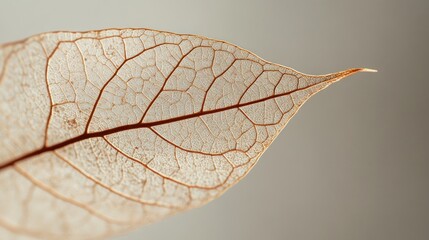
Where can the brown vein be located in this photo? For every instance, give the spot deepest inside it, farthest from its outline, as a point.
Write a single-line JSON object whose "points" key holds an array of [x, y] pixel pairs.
{"points": [[157, 173], [22, 231], [58, 196], [165, 81], [113, 76], [84, 136], [99, 183], [193, 151]]}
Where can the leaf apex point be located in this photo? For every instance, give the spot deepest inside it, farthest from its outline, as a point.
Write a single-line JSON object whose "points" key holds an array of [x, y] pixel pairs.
{"points": [[369, 70]]}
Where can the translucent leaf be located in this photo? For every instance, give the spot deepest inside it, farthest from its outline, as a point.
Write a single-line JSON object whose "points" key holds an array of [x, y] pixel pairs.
{"points": [[104, 131]]}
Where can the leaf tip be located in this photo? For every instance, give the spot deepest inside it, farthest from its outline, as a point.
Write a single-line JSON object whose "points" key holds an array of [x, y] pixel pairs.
{"points": [[368, 70]]}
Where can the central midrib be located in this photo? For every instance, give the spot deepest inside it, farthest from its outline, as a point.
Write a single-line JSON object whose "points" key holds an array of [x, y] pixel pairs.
{"points": [[136, 126]]}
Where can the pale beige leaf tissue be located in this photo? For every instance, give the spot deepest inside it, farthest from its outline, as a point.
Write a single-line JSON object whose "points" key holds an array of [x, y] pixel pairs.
{"points": [[105, 131]]}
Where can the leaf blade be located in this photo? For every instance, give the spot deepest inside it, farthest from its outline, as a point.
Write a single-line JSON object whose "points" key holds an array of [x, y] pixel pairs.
{"points": [[135, 125]]}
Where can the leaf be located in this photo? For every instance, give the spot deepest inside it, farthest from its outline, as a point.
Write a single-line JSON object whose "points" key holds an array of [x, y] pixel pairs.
{"points": [[104, 131]]}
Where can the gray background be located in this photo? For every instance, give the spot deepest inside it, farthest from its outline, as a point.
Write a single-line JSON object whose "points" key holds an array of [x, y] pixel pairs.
{"points": [[352, 164]]}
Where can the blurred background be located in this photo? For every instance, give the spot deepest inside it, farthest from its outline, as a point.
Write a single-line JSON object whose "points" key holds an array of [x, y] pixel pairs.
{"points": [[352, 164]]}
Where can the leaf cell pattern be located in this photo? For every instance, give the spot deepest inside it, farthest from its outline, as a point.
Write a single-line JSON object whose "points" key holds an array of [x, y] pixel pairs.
{"points": [[104, 131]]}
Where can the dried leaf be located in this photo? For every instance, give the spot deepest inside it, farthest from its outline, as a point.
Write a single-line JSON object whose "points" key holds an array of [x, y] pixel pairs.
{"points": [[104, 131]]}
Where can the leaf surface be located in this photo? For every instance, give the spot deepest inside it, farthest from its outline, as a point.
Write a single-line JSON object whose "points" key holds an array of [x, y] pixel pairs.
{"points": [[105, 131]]}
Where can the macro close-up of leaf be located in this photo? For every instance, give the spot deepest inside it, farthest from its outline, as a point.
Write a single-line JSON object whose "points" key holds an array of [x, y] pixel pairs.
{"points": [[105, 131]]}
